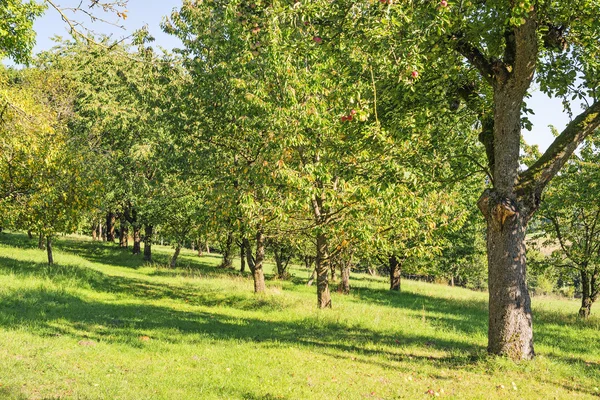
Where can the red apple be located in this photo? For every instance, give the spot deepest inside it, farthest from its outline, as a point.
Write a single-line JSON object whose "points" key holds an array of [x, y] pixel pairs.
{"points": [[444, 3], [317, 40], [415, 74], [352, 112], [349, 118]]}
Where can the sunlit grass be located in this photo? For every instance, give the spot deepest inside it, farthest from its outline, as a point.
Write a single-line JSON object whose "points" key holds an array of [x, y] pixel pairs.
{"points": [[101, 324]]}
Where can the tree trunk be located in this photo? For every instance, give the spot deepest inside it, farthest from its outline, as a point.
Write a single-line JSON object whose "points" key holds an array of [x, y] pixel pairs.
{"points": [[332, 269], [510, 330], [41, 241], [199, 245], [175, 255], [123, 233], [258, 273], [49, 249], [242, 257], [322, 270], [95, 231], [344, 286], [100, 233], [586, 298], [248, 252], [227, 256], [137, 239], [207, 247], [110, 227], [29, 234], [148, 232], [395, 273]]}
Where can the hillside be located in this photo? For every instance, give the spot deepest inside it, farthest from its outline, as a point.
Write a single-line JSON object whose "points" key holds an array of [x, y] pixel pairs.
{"points": [[102, 325]]}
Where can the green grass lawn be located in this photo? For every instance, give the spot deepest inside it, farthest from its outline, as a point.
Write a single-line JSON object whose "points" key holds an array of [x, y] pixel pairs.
{"points": [[102, 325]]}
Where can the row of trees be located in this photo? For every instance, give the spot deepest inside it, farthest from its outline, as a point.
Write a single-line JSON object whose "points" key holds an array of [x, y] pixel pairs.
{"points": [[349, 131]]}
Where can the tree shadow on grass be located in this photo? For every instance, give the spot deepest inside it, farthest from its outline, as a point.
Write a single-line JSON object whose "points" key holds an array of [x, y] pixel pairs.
{"points": [[57, 312], [553, 329]]}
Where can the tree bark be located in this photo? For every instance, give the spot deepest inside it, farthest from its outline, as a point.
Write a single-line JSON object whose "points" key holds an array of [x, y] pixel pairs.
{"points": [[95, 231], [123, 233], [29, 234], [41, 241], [586, 298], [322, 270], [148, 233], [510, 330], [175, 255], [101, 235], [227, 255], [49, 249], [248, 251], [137, 239], [257, 272], [242, 257], [344, 286], [110, 227], [395, 273]]}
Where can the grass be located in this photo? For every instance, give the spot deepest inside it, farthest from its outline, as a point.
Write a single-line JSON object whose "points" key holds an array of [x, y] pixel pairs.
{"points": [[100, 324]]}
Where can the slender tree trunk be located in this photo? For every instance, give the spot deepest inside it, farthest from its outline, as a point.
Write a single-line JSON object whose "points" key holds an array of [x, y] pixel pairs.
{"points": [[311, 278], [101, 235], [207, 247], [395, 273], [332, 269], [586, 298], [175, 255], [137, 239], [148, 232], [227, 255], [123, 233], [248, 251], [242, 257], [322, 268], [95, 231], [257, 272], [49, 249], [41, 241], [29, 234], [344, 286], [110, 226], [199, 245]]}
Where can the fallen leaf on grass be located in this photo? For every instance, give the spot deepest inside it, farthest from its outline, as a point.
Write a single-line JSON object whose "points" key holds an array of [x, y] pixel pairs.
{"points": [[86, 343]]}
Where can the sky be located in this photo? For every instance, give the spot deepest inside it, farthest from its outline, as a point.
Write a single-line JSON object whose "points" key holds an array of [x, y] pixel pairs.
{"points": [[151, 12]]}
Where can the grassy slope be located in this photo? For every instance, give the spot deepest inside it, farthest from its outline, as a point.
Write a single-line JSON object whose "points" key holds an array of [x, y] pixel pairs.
{"points": [[101, 325]]}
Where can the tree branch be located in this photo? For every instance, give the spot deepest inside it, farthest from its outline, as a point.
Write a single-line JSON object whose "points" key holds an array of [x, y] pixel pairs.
{"points": [[475, 57], [543, 170]]}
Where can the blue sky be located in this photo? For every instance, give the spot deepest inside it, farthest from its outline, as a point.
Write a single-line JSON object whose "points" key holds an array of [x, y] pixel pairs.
{"points": [[151, 12]]}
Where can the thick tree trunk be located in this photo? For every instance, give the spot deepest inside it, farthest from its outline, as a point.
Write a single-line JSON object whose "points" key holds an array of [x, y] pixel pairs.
{"points": [[137, 239], [148, 233], [257, 272], [41, 241], [322, 270], [395, 273], [49, 249], [175, 255], [110, 227], [242, 257], [123, 233], [510, 330]]}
